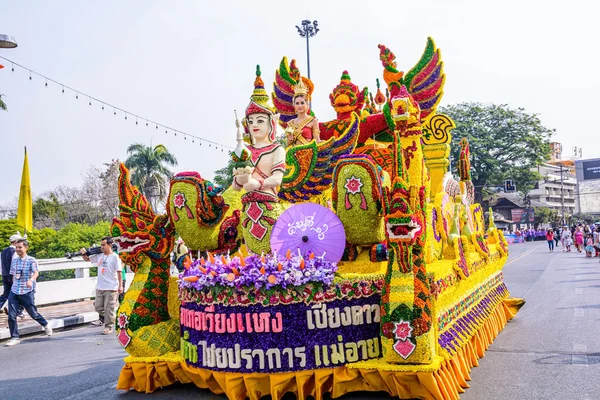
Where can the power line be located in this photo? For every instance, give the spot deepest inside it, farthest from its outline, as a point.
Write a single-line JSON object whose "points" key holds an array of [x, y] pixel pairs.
{"points": [[138, 118], [83, 201]]}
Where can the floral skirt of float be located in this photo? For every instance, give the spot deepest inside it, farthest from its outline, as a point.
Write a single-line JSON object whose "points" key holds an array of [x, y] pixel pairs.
{"points": [[444, 379], [260, 211]]}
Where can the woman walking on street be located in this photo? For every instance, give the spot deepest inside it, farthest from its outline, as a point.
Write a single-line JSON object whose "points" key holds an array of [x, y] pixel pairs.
{"points": [[578, 238], [567, 239], [550, 239]]}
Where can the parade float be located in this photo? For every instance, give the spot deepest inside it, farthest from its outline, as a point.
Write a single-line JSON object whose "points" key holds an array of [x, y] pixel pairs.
{"points": [[352, 263]]}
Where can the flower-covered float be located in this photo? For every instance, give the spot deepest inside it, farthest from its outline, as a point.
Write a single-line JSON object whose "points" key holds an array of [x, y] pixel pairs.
{"points": [[352, 261]]}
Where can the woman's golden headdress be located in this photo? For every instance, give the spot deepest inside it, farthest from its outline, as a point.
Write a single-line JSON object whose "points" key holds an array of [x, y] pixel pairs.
{"points": [[304, 87]]}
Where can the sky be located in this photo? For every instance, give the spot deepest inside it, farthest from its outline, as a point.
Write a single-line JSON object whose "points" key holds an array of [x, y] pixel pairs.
{"points": [[189, 64]]}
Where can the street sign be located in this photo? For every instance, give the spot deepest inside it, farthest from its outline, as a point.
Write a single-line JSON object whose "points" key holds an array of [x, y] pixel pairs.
{"points": [[509, 186]]}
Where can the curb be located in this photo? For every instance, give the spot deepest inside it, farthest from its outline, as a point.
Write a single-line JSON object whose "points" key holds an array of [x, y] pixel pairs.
{"points": [[32, 327]]}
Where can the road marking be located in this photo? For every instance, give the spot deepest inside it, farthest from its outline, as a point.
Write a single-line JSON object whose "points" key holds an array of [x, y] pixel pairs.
{"points": [[581, 358], [578, 312], [521, 256], [578, 290]]}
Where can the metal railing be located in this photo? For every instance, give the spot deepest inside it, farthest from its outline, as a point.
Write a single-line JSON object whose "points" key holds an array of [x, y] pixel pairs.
{"points": [[81, 286]]}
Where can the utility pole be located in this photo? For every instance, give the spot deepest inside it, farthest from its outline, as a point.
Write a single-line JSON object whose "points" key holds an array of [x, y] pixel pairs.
{"points": [[562, 196], [308, 30]]}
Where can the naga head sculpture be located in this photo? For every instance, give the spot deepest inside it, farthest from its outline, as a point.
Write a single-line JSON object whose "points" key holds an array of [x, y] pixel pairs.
{"points": [[403, 224], [138, 231]]}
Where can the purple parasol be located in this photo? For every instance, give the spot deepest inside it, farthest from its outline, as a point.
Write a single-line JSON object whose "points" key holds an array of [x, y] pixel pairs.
{"points": [[310, 228]]}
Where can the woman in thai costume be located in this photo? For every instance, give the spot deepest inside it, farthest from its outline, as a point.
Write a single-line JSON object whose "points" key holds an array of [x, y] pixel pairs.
{"points": [[260, 202], [305, 127]]}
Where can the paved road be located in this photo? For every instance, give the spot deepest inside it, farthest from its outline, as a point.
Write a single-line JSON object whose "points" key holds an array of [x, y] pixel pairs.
{"points": [[550, 351]]}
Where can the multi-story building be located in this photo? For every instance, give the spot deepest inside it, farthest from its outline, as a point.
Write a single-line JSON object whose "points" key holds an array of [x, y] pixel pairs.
{"points": [[558, 186]]}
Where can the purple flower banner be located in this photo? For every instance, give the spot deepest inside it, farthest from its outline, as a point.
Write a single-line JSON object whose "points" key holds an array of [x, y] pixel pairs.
{"points": [[280, 338]]}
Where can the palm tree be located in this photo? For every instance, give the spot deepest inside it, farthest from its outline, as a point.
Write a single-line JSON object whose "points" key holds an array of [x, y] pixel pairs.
{"points": [[148, 170]]}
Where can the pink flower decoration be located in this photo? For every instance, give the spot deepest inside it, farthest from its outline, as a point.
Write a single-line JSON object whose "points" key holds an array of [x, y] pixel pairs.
{"points": [[404, 348], [402, 330], [179, 200], [123, 320], [353, 185]]}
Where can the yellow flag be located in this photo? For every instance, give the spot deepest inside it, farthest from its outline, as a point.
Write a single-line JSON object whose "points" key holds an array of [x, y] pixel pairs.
{"points": [[24, 213]]}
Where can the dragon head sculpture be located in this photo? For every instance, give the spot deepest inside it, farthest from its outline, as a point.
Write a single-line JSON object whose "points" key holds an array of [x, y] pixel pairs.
{"points": [[403, 224], [347, 97], [138, 231]]}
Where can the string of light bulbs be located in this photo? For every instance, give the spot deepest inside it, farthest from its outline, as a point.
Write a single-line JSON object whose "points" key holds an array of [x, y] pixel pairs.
{"points": [[138, 118]]}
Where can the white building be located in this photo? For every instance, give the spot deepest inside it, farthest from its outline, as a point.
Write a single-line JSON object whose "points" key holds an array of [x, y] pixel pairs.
{"points": [[557, 188]]}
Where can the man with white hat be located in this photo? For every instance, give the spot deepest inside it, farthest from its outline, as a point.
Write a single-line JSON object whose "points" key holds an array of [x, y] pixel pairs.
{"points": [[6, 257]]}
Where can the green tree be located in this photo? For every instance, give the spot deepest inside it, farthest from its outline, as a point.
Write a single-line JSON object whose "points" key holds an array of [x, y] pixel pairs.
{"points": [[8, 227], [545, 215], [581, 218], [505, 143], [48, 212], [224, 176], [48, 243], [148, 170], [2, 104]]}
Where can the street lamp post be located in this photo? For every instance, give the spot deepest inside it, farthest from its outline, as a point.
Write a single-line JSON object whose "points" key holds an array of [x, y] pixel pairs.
{"points": [[6, 42], [308, 30]]}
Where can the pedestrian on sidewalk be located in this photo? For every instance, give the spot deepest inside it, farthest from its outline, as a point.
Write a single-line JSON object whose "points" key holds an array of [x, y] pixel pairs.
{"points": [[578, 238], [109, 283], [24, 270], [566, 239], [550, 239], [596, 240], [589, 246], [6, 257]]}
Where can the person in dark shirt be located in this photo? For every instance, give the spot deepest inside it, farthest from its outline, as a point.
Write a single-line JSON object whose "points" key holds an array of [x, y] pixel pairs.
{"points": [[6, 257]]}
